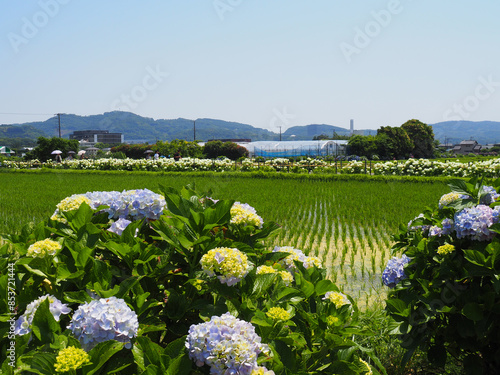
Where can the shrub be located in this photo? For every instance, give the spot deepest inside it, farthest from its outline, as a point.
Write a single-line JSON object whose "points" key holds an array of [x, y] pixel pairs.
{"points": [[447, 297], [152, 284]]}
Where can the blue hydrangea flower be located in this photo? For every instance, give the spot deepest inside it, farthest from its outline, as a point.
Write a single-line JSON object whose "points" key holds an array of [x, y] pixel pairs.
{"points": [[491, 195], [56, 307], [119, 226], [129, 204], [103, 198], [424, 228], [394, 272], [435, 231], [473, 222], [447, 226], [227, 344], [102, 320]]}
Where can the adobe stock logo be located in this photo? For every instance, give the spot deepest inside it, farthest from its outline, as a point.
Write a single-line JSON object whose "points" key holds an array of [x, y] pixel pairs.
{"points": [[31, 26], [471, 103], [223, 6], [139, 93], [363, 36], [281, 118]]}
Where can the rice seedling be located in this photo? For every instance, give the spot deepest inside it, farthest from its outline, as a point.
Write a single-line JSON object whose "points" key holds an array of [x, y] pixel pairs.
{"points": [[347, 224]]}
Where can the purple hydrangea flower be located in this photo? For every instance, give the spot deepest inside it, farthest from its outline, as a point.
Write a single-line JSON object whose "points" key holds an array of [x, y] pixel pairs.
{"points": [[435, 231], [227, 344], [102, 320], [394, 272], [491, 195], [119, 226], [447, 226], [56, 307], [473, 222], [412, 227], [130, 204]]}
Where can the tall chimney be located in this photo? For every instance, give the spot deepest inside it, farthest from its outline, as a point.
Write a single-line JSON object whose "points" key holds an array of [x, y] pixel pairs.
{"points": [[352, 127]]}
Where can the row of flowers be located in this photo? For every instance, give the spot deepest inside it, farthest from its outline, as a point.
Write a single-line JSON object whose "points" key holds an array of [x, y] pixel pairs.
{"points": [[410, 167], [168, 284]]}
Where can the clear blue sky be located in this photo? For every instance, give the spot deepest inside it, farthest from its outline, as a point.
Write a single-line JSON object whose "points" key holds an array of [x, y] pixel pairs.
{"points": [[260, 62]]}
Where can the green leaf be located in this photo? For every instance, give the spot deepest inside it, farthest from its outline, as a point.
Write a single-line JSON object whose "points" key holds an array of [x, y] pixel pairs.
{"points": [[260, 321], [63, 273], [43, 363], [119, 291], [121, 250], [262, 283], [44, 325], [176, 347], [83, 256], [473, 311], [181, 365], [152, 352], [324, 286], [101, 273], [284, 292], [306, 287], [397, 306], [101, 354], [77, 297], [138, 355], [460, 187], [286, 355], [475, 257], [35, 271], [77, 219]]}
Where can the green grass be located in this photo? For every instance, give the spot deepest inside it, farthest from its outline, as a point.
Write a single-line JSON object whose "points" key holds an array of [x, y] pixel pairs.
{"points": [[346, 222]]}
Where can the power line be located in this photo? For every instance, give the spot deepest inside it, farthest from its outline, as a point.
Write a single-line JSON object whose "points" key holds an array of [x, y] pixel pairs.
{"points": [[26, 114]]}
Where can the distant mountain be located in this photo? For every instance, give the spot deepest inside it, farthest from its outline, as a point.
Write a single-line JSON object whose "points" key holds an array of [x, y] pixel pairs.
{"points": [[19, 136], [138, 129], [484, 132], [20, 131]]}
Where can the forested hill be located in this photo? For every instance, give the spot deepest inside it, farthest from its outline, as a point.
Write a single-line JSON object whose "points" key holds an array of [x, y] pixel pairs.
{"points": [[19, 136], [136, 128], [143, 129], [484, 132]]}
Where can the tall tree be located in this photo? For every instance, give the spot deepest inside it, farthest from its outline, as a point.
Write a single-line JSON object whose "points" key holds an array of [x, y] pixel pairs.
{"points": [[422, 137], [45, 146], [362, 145], [393, 143]]}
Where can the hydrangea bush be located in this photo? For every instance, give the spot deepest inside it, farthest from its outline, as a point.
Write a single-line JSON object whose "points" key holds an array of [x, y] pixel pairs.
{"points": [[445, 292], [175, 283]]}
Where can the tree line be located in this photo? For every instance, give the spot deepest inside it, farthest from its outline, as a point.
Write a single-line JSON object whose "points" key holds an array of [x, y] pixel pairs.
{"points": [[212, 149], [412, 139]]}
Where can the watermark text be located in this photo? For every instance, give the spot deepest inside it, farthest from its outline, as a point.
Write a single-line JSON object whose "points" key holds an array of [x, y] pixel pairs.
{"points": [[471, 103], [11, 303], [31, 26]]}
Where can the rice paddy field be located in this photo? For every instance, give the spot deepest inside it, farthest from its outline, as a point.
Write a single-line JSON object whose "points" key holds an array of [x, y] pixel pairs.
{"points": [[347, 223]]}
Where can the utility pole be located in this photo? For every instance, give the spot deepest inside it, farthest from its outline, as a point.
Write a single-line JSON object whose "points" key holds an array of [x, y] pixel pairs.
{"points": [[194, 131], [280, 132], [59, 118]]}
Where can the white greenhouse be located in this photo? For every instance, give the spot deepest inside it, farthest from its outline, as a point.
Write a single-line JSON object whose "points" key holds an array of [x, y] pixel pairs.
{"points": [[276, 149]]}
